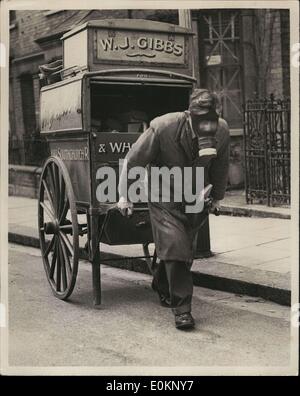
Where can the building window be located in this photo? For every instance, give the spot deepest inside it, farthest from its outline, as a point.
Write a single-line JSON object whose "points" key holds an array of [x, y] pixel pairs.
{"points": [[220, 61]]}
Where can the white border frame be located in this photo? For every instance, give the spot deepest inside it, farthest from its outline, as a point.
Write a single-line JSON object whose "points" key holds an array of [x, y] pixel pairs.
{"points": [[6, 5]]}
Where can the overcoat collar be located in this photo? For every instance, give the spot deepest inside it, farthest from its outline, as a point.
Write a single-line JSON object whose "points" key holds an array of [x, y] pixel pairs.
{"points": [[184, 135]]}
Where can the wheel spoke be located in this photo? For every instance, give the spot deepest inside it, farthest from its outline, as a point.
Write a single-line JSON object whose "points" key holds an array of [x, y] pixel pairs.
{"points": [[49, 195], [49, 247], [58, 269], [67, 260], [67, 242], [53, 261], [52, 183], [62, 195], [64, 211], [56, 184], [63, 268], [50, 214]]}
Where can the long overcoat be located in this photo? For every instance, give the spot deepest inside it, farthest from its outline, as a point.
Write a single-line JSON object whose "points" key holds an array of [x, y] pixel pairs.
{"points": [[168, 142]]}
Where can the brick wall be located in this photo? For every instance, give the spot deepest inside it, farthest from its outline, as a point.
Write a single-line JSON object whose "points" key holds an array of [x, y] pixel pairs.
{"points": [[275, 75], [266, 52], [24, 181], [31, 25], [285, 51]]}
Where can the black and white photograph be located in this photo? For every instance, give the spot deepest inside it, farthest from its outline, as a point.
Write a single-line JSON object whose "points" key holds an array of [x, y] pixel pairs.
{"points": [[149, 189]]}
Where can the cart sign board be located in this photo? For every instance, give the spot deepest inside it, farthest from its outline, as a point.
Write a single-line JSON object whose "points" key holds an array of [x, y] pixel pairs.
{"points": [[61, 107], [125, 43], [75, 155], [135, 46]]}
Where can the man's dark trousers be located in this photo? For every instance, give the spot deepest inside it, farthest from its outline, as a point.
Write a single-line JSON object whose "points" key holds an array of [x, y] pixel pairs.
{"points": [[174, 280]]}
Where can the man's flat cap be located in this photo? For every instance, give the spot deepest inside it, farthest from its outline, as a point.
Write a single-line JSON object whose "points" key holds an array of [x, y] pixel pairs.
{"points": [[202, 101]]}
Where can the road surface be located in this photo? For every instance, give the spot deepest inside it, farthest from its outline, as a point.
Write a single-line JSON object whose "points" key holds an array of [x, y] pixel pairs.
{"points": [[131, 328]]}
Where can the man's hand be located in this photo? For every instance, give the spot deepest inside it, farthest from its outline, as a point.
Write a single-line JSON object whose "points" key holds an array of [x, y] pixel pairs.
{"points": [[215, 207], [125, 207]]}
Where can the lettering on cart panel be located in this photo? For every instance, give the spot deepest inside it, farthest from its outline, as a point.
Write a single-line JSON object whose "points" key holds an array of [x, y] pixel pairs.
{"points": [[140, 47]]}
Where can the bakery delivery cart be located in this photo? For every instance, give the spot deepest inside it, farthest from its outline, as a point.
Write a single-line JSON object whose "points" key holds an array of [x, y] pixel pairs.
{"points": [[116, 75]]}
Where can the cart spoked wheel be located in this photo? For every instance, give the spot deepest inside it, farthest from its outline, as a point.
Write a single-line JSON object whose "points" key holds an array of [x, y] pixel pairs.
{"points": [[58, 227]]}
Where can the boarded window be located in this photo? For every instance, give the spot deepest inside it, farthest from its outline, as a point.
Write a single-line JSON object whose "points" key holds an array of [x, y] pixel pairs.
{"points": [[220, 61]]}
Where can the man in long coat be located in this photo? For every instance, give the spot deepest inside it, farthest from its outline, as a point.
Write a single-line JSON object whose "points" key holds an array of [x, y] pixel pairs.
{"points": [[197, 137]]}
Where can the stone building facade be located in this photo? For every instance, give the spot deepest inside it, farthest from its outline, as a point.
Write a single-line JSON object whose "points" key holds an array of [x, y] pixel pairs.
{"points": [[238, 53]]}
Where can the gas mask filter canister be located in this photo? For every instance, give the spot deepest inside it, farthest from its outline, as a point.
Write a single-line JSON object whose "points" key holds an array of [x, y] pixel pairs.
{"points": [[205, 130]]}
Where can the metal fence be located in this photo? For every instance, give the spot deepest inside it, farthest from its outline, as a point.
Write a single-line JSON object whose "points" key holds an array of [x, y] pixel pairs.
{"points": [[267, 132]]}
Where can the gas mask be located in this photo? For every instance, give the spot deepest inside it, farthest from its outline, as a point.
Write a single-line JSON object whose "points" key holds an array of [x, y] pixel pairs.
{"points": [[205, 127]]}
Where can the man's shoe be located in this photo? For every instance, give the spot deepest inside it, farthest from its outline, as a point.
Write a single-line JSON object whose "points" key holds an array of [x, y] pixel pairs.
{"points": [[164, 301], [184, 321]]}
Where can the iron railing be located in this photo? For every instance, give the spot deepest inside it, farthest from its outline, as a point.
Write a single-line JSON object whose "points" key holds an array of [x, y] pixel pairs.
{"points": [[267, 132]]}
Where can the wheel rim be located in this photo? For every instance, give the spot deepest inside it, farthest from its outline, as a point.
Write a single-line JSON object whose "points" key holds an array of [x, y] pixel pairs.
{"points": [[58, 228]]}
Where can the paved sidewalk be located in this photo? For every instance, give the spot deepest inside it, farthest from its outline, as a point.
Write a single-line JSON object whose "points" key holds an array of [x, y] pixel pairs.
{"points": [[252, 255], [235, 204]]}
